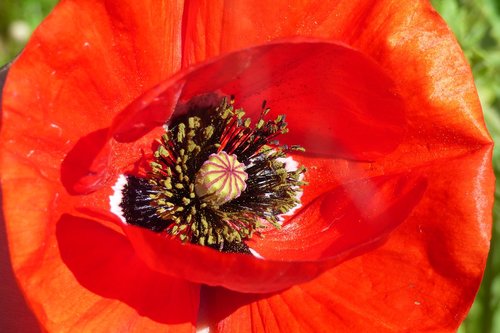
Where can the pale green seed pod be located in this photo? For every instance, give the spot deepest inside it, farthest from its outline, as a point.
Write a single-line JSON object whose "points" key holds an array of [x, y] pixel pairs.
{"points": [[220, 179]]}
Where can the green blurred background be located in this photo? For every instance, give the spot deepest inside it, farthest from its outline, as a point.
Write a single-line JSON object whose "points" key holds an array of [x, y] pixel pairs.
{"points": [[476, 24]]}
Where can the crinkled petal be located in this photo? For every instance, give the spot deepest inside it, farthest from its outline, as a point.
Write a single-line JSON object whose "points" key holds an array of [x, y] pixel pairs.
{"points": [[388, 289], [407, 38], [86, 62], [337, 102], [338, 225], [79, 274]]}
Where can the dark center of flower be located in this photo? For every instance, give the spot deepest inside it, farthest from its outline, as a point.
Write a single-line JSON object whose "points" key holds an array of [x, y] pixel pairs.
{"points": [[215, 179]]}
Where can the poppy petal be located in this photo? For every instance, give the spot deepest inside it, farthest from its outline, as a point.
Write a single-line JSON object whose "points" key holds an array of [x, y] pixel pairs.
{"points": [[331, 229], [407, 38], [57, 92], [109, 268], [428, 287], [349, 216], [337, 101], [80, 275]]}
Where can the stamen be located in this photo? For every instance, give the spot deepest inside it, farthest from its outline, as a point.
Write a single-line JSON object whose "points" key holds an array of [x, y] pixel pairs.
{"points": [[215, 180]]}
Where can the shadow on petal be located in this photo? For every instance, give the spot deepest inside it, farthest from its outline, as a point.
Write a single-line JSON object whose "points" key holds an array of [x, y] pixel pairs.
{"points": [[346, 222], [218, 303], [338, 102], [104, 262], [16, 316], [84, 168], [346, 219]]}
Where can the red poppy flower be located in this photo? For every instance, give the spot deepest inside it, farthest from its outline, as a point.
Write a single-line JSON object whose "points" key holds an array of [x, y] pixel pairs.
{"points": [[394, 226]]}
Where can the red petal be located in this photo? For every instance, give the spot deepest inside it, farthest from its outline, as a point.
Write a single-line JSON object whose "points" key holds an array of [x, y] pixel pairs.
{"points": [[422, 280], [336, 226], [85, 63], [79, 275], [96, 160], [350, 216], [17, 317], [103, 263], [407, 38], [337, 101]]}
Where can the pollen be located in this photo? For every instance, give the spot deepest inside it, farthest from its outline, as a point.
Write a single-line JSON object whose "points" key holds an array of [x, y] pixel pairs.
{"points": [[220, 179]]}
